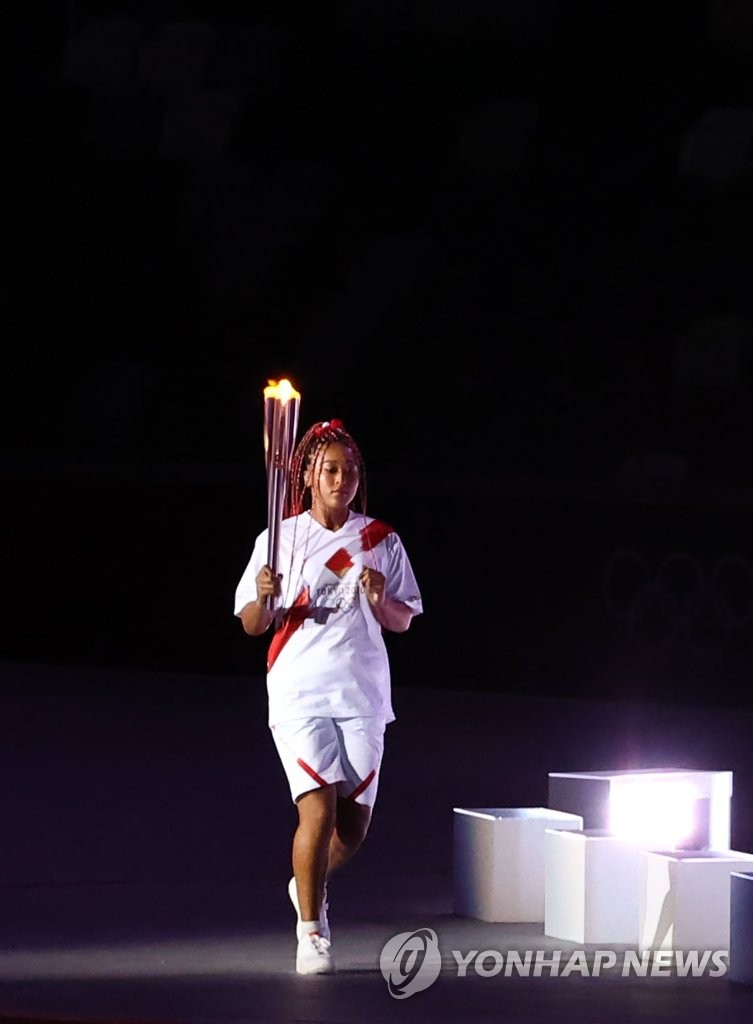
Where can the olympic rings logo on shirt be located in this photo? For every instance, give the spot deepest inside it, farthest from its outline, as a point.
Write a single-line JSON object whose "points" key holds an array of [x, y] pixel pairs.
{"points": [[680, 597]]}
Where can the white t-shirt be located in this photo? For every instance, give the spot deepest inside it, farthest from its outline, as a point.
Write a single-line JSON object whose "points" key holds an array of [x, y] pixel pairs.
{"points": [[329, 657]]}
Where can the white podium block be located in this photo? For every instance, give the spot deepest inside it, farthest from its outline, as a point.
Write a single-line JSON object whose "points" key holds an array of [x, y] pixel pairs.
{"points": [[592, 887], [741, 927], [685, 899], [659, 808], [498, 860]]}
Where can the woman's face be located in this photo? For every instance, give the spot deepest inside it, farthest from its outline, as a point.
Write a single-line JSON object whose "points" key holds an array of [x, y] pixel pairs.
{"points": [[334, 477]]}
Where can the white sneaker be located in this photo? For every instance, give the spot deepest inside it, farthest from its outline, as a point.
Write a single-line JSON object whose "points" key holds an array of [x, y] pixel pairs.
{"points": [[323, 918], [314, 956]]}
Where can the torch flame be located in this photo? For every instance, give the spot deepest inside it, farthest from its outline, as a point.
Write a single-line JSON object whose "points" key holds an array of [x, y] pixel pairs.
{"points": [[282, 389]]}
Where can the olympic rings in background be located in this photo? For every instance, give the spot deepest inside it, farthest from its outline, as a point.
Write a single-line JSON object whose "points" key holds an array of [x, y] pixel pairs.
{"points": [[680, 598]]}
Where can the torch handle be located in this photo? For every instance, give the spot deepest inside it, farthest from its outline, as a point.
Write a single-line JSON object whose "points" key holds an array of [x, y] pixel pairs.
{"points": [[276, 497], [280, 428]]}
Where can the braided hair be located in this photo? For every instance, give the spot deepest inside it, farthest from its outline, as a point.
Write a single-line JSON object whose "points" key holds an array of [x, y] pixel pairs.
{"points": [[313, 442]]}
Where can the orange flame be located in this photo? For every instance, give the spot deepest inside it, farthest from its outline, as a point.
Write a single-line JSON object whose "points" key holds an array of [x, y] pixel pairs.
{"points": [[281, 389]]}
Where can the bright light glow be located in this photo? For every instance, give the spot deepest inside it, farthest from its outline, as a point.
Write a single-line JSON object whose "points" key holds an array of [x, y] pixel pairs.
{"points": [[656, 813], [281, 389]]}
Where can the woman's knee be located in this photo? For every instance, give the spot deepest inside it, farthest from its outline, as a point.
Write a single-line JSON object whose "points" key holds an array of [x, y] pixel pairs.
{"points": [[352, 821], [317, 808]]}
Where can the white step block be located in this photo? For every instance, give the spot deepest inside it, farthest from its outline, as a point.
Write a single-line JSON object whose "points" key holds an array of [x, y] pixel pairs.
{"points": [[498, 860], [685, 898], [592, 887], [741, 927]]}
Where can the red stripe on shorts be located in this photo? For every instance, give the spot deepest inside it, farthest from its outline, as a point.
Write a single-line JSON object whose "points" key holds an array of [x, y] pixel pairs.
{"points": [[314, 775], [362, 786]]}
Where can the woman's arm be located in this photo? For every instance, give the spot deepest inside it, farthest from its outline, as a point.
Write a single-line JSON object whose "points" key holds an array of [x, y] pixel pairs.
{"points": [[255, 615], [390, 614]]}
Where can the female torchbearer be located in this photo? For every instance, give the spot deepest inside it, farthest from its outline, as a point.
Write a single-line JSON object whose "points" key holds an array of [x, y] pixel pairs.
{"points": [[331, 579]]}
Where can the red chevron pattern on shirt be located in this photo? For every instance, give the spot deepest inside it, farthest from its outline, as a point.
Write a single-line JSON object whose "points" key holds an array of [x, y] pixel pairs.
{"points": [[298, 612], [339, 563]]}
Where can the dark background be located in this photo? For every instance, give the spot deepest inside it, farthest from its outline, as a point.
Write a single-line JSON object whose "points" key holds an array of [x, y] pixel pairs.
{"points": [[510, 244]]}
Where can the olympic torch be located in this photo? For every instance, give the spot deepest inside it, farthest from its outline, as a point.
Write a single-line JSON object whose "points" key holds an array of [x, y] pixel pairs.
{"points": [[281, 407]]}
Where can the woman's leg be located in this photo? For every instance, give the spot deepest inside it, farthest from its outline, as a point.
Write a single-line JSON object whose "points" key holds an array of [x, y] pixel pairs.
{"points": [[361, 742], [351, 825], [317, 815]]}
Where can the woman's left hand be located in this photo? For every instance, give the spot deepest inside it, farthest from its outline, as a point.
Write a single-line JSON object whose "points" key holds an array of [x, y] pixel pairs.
{"points": [[373, 583]]}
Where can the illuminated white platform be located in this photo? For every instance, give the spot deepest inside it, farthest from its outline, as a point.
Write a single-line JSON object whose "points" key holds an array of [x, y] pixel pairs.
{"points": [[592, 887], [660, 808], [685, 898], [498, 860], [741, 927]]}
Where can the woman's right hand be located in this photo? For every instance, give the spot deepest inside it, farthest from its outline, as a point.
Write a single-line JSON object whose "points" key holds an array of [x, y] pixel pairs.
{"points": [[267, 584]]}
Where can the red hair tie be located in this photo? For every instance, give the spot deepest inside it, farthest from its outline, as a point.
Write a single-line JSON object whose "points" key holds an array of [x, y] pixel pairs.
{"points": [[327, 427]]}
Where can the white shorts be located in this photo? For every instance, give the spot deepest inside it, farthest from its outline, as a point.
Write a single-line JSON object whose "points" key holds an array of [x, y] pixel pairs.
{"points": [[321, 751]]}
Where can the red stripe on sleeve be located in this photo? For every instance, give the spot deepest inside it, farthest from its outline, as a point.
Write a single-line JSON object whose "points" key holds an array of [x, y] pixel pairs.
{"points": [[374, 534]]}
